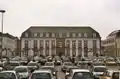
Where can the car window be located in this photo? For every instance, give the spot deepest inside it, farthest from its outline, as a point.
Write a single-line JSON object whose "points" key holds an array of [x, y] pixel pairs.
{"points": [[99, 69], [115, 75], [83, 75], [10, 75], [41, 76], [20, 70], [3, 76]]}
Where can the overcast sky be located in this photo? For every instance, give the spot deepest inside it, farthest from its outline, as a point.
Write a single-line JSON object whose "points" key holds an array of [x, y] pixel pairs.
{"points": [[102, 15]]}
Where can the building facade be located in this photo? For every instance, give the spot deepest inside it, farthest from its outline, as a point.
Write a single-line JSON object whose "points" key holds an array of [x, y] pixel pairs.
{"points": [[67, 41], [112, 44], [8, 45]]}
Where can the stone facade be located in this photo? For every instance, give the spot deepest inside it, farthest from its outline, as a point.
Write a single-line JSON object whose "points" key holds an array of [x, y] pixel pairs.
{"points": [[56, 40]]}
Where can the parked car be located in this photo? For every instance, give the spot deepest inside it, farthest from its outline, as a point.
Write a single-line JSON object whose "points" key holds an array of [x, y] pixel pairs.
{"points": [[42, 74], [11, 74], [22, 71], [66, 66]]}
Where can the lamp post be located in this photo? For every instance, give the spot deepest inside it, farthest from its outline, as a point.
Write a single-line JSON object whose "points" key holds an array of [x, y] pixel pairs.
{"points": [[2, 12]]}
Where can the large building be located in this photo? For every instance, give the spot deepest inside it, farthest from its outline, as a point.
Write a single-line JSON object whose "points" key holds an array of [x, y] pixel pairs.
{"points": [[8, 45], [112, 44], [60, 40]]}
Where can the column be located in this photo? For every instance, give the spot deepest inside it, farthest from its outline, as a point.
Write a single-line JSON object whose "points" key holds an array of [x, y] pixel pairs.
{"points": [[82, 48], [70, 47], [50, 54], [44, 48], [76, 47]]}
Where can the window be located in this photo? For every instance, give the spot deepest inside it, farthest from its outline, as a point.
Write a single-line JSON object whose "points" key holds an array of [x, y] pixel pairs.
{"points": [[85, 43], [73, 34], [67, 43], [94, 35], [53, 43], [41, 34], [47, 34], [79, 43], [79, 35], [35, 43], [53, 34], [26, 34], [41, 43], [35, 34], [47, 43], [85, 34], [26, 43], [74, 43], [68, 35], [60, 35]]}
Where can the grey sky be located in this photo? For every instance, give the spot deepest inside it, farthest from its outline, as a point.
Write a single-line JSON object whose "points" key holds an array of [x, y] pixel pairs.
{"points": [[102, 15]]}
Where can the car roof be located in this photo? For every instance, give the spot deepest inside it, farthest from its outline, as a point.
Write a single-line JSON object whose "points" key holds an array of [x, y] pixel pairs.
{"points": [[99, 66], [80, 70], [12, 71], [21, 67], [42, 71]]}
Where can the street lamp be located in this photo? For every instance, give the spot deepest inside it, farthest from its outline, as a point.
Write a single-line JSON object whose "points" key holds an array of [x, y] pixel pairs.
{"points": [[2, 12]]}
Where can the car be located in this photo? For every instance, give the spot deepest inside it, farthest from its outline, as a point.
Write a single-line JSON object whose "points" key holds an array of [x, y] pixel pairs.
{"points": [[50, 68], [82, 64], [66, 66], [50, 64], [41, 74], [22, 71], [11, 74], [12, 65], [4, 76], [80, 74], [110, 61], [33, 65], [98, 71], [111, 74]]}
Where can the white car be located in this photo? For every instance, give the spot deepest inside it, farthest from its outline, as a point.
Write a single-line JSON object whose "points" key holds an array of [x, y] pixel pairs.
{"points": [[80, 74], [22, 71], [98, 71], [42, 74], [11, 74]]}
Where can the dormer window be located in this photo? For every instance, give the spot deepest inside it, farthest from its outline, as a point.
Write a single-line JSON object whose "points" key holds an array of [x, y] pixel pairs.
{"points": [[53, 34], [41, 34], [73, 34], [26, 34], [47, 34], [35, 34], [79, 34], [85, 34], [94, 35]]}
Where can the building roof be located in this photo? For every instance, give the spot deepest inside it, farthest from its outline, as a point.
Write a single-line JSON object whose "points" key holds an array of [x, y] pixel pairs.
{"points": [[8, 35], [55, 29], [114, 34]]}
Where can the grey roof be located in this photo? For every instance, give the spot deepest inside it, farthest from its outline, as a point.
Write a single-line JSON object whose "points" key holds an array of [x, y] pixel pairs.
{"points": [[81, 29], [114, 34]]}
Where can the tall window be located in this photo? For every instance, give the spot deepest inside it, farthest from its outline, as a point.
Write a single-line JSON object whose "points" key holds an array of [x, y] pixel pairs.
{"points": [[74, 43], [79, 43], [35, 47], [85, 48], [94, 47], [41, 43], [53, 43], [47, 43], [68, 43], [26, 48]]}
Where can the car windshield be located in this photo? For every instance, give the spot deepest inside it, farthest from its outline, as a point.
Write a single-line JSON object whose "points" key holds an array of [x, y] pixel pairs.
{"points": [[3, 76], [68, 64], [83, 75], [49, 64], [100, 69], [20, 70], [10, 75], [14, 64], [32, 64], [41, 76]]}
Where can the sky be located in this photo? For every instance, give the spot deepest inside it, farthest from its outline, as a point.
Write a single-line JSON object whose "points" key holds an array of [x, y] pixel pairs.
{"points": [[101, 15]]}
